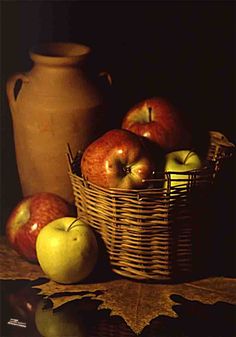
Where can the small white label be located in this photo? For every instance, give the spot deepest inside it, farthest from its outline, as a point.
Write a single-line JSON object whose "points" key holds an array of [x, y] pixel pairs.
{"points": [[16, 322]]}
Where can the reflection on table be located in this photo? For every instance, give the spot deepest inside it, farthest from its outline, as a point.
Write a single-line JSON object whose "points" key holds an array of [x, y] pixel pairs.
{"points": [[27, 314]]}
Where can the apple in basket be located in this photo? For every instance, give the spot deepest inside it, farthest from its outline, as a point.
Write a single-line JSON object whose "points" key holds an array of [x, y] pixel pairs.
{"points": [[29, 216], [181, 161], [157, 119], [118, 159]]}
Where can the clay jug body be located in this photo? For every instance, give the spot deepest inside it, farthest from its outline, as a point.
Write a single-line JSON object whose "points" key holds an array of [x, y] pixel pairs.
{"points": [[60, 102]]}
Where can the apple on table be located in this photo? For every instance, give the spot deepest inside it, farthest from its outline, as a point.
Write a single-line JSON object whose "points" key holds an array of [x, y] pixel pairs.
{"points": [[29, 216], [118, 159], [159, 120], [62, 322], [67, 250], [23, 301]]}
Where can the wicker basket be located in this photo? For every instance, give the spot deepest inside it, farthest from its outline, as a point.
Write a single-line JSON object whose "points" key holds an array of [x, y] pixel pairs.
{"points": [[148, 233]]}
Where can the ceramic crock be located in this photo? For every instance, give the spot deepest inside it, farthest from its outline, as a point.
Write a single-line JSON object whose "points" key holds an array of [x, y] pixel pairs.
{"points": [[60, 101]]}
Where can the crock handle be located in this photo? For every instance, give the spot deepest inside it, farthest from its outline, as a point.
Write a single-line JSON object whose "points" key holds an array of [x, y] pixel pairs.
{"points": [[10, 87], [107, 76]]}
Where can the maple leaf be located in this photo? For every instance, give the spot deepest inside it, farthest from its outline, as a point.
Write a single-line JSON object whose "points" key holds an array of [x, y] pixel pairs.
{"points": [[139, 303]]}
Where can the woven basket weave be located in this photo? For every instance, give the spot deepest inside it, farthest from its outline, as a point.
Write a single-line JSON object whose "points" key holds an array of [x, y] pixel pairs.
{"points": [[148, 233]]}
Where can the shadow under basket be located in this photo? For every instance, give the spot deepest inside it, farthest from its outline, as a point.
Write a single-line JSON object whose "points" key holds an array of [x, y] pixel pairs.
{"points": [[151, 234]]}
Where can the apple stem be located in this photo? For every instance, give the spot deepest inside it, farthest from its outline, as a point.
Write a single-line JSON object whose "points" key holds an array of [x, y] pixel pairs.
{"points": [[127, 169], [186, 158], [149, 114], [74, 221]]}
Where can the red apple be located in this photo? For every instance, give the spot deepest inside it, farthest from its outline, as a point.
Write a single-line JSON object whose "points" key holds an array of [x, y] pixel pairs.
{"points": [[23, 301], [29, 216], [157, 119], [118, 159]]}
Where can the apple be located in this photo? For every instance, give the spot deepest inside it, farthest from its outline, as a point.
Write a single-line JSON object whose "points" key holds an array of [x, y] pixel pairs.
{"points": [[181, 161], [23, 301], [67, 250], [117, 159], [20, 301], [61, 322], [29, 216], [157, 119]]}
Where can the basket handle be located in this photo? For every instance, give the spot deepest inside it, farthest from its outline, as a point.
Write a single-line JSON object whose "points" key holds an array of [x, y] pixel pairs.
{"points": [[219, 139]]}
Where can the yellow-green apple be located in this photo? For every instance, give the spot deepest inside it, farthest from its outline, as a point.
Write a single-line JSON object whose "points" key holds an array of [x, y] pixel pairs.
{"points": [[61, 322], [29, 216], [67, 250], [181, 161], [117, 159], [160, 121]]}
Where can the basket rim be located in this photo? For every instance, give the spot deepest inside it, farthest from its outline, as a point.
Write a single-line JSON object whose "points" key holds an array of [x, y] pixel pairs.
{"points": [[192, 177], [217, 139]]}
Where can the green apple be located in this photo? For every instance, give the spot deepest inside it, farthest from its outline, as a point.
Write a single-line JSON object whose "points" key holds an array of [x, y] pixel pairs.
{"points": [[62, 322], [67, 250], [181, 161]]}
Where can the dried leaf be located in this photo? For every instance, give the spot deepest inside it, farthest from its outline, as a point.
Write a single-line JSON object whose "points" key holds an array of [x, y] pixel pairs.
{"points": [[14, 267], [139, 303]]}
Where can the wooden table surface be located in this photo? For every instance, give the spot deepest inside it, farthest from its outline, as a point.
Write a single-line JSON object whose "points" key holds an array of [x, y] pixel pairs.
{"points": [[116, 306]]}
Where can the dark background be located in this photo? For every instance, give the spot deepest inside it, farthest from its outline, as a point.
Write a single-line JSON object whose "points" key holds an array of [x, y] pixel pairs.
{"points": [[182, 50]]}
